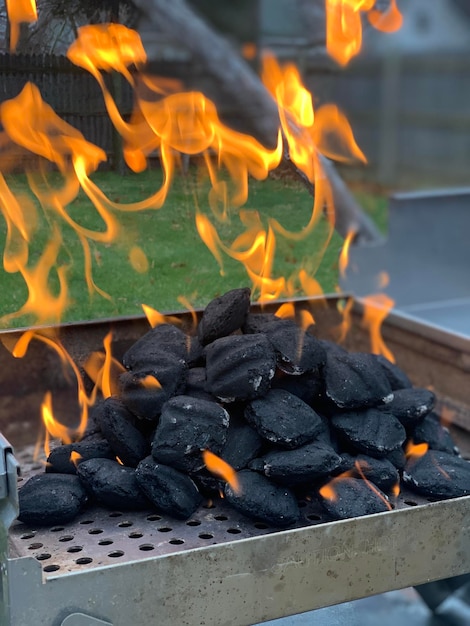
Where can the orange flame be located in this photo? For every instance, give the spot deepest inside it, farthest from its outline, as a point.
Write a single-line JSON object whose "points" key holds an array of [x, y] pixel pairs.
{"points": [[150, 382], [19, 11], [53, 427], [344, 25], [75, 457], [344, 256], [104, 369], [376, 309], [415, 450], [221, 468]]}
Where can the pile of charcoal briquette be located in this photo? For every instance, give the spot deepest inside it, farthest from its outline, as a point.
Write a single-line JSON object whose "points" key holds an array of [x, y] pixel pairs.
{"points": [[287, 411]]}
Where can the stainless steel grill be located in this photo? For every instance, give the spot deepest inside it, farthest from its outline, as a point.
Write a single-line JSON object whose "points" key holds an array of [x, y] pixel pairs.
{"points": [[116, 567]]}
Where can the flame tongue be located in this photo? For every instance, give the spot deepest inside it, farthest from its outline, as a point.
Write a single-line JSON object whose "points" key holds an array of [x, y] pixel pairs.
{"points": [[344, 25], [19, 11]]}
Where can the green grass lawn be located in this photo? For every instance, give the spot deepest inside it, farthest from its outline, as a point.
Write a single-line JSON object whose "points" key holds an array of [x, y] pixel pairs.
{"points": [[179, 262]]}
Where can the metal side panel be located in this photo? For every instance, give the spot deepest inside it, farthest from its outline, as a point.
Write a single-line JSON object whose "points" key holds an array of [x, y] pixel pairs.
{"points": [[256, 579]]}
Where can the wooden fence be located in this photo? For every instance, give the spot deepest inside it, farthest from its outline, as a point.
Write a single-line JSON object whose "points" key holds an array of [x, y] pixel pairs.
{"points": [[410, 115], [72, 92]]}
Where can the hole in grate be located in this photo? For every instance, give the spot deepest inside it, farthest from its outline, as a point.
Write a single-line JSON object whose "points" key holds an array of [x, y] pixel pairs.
{"points": [[221, 518], [75, 549], [260, 525], [65, 538], [105, 542], [206, 536], [411, 503], [51, 568], [116, 553], [95, 531], [43, 557], [84, 560], [115, 514], [234, 531], [27, 535], [164, 529], [125, 524], [154, 518], [176, 542], [135, 535], [146, 547], [35, 546], [87, 521], [56, 529], [313, 517], [193, 522]]}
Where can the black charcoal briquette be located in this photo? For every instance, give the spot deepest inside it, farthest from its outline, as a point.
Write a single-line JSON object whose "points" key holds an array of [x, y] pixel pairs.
{"points": [[111, 484], [352, 497], [188, 426], [47, 499], [62, 460], [438, 475], [118, 426], [283, 419], [371, 431], [169, 490], [223, 315], [239, 367], [260, 499], [302, 465], [355, 380]]}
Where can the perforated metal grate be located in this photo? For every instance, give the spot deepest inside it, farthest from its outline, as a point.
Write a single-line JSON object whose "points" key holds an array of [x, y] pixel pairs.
{"points": [[102, 537]]}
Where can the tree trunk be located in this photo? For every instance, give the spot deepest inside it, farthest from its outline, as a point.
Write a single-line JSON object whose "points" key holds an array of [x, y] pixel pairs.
{"points": [[239, 82]]}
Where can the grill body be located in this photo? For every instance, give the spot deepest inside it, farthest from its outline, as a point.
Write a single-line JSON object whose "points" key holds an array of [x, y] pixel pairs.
{"points": [[218, 568]]}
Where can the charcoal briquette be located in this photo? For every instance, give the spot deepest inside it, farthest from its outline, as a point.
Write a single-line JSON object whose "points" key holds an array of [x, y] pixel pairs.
{"points": [[223, 315], [410, 406], [111, 484], [145, 390], [283, 419], [258, 322], [62, 461], [47, 499], [397, 458], [431, 431], [307, 387], [355, 380], [381, 472], [371, 431], [188, 426], [243, 444], [395, 375], [302, 465], [353, 497], [169, 490], [239, 367], [297, 352], [163, 339], [262, 500], [117, 424], [438, 475], [196, 384]]}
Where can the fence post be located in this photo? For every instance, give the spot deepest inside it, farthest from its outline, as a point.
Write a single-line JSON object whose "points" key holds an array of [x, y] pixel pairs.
{"points": [[387, 153]]}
